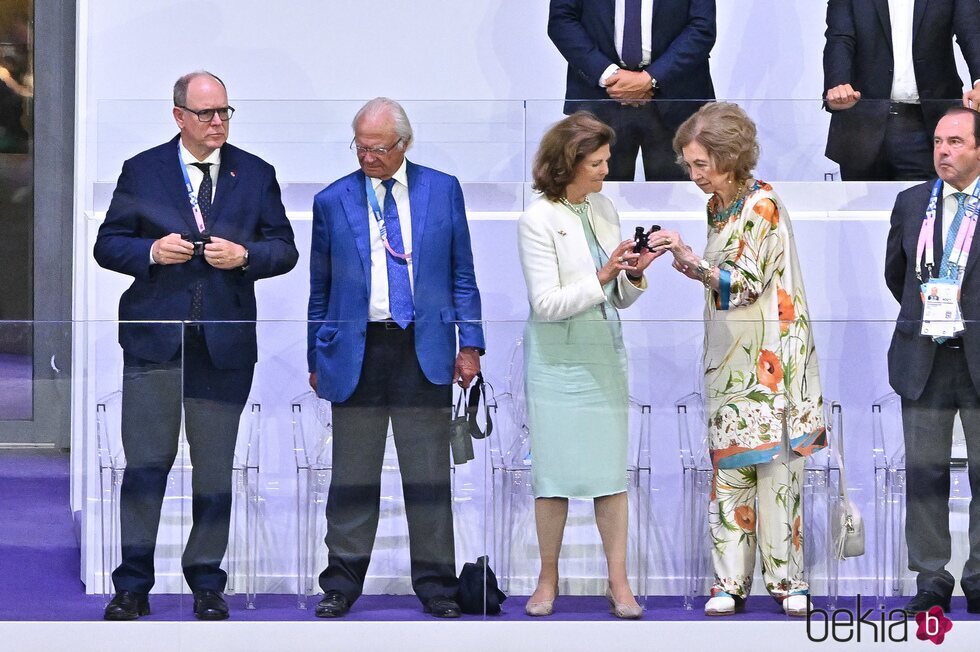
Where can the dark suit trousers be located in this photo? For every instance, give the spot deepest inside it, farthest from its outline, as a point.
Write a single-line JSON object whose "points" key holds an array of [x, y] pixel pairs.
{"points": [[212, 400], [928, 424], [392, 386], [639, 129], [906, 151]]}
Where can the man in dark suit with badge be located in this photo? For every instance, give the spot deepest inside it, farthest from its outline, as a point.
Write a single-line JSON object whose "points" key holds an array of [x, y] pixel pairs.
{"points": [[195, 221], [934, 363]]}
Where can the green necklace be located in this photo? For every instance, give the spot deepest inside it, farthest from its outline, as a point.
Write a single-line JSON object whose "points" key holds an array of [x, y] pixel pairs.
{"points": [[725, 214]]}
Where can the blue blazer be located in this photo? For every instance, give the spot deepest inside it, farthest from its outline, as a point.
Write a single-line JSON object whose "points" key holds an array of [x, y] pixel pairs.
{"points": [[682, 37], [859, 52], [149, 202], [445, 292]]}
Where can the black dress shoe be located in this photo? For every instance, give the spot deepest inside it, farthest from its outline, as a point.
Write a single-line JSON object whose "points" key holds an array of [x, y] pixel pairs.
{"points": [[333, 605], [126, 605], [442, 608], [210, 605], [924, 600]]}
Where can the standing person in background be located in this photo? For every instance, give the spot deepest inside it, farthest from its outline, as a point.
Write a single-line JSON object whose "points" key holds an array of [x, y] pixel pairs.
{"points": [[888, 67], [623, 53]]}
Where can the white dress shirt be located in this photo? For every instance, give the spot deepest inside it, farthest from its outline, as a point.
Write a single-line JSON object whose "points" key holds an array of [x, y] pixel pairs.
{"points": [[195, 174], [646, 36], [378, 308], [904, 88]]}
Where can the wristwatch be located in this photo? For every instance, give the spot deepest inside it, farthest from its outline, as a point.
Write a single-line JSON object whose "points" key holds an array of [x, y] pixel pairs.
{"points": [[244, 261]]}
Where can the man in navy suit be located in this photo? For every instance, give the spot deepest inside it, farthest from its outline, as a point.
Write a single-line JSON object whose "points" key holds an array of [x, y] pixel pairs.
{"points": [[889, 74], [623, 53], [392, 288], [193, 189], [938, 377]]}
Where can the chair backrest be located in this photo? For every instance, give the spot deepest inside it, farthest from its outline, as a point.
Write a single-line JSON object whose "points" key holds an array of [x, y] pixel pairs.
{"points": [[312, 428], [692, 432], [510, 443], [108, 434], [247, 447], [889, 435], [108, 431]]}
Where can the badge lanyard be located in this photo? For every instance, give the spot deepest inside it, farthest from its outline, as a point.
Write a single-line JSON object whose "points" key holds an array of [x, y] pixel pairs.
{"points": [[964, 237], [379, 218], [191, 195]]}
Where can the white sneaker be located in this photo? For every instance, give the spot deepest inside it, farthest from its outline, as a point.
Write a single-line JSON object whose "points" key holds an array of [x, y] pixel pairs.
{"points": [[720, 605], [796, 604]]}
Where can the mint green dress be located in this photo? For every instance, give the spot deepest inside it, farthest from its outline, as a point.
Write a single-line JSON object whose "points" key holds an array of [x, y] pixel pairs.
{"points": [[577, 398]]}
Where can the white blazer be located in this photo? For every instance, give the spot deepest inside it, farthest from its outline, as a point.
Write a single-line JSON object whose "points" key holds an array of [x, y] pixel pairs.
{"points": [[558, 266]]}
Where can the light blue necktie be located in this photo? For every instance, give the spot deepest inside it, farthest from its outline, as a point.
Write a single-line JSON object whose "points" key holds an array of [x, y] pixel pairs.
{"points": [[399, 289], [949, 269]]}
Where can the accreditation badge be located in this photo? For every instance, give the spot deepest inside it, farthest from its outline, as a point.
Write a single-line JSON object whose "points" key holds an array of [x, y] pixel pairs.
{"points": [[941, 315]]}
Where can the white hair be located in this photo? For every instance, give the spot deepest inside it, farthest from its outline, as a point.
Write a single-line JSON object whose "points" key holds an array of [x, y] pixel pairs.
{"points": [[394, 110]]}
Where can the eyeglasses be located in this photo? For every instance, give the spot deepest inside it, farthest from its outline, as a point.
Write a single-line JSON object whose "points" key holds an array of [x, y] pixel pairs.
{"points": [[377, 151], [207, 115]]}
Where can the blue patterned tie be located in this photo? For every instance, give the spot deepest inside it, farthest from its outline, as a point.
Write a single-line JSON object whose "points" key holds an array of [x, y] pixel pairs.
{"points": [[204, 203], [399, 289], [949, 269], [632, 39]]}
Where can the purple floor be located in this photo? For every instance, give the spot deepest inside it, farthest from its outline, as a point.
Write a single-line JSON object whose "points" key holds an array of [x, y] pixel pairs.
{"points": [[39, 569]]}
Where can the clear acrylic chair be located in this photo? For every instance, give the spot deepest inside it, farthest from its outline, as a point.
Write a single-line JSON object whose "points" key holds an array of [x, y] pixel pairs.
{"points": [[821, 501], [312, 429], [893, 576], [514, 537], [240, 557]]}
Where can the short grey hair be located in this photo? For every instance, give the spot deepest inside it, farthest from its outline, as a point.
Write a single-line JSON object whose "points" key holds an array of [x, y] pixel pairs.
{"points": [[384, 105], [180, 86]]}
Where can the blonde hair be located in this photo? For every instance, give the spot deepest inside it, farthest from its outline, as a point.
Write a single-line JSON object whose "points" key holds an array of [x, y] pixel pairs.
{"points": [[727, 133]]}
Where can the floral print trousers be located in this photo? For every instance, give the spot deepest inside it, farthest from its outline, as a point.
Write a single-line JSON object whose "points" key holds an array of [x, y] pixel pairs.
{"points": [[758, 507]]}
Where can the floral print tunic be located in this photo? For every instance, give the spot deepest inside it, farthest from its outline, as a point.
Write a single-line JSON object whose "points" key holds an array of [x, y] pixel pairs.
{"points": [[760, 363]]}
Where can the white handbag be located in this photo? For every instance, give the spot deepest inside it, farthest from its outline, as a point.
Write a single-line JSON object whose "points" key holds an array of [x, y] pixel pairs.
{"points": [[848, 529]]}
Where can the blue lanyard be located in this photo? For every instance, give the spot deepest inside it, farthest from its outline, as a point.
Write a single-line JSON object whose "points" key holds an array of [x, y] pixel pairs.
{"points": [[191, 195], [379, 218]]}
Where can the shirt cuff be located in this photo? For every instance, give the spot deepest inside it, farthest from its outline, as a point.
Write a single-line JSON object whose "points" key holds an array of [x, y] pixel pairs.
{"points": [[609, 72], [152, 262], [724, 289]]}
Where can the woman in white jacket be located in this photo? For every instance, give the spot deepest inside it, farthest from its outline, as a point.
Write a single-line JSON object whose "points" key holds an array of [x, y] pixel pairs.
{"points": [[579, 273]]}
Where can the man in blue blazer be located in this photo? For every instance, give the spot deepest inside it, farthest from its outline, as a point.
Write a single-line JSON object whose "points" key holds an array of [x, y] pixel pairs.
{"points": [[392, 288], [195, 222], [938, 377], [889, 74], [623, 53]]}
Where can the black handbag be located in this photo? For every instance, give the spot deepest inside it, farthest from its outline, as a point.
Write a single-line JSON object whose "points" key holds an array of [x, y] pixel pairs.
{"points": [[478, 588]]}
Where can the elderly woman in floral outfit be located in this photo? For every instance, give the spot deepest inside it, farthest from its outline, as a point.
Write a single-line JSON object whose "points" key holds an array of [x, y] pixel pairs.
{"points": [[765, 410]]}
